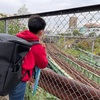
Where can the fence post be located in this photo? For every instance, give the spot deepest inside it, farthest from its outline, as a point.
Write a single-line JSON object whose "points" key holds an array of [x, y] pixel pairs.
{"points": [[6, 26]]}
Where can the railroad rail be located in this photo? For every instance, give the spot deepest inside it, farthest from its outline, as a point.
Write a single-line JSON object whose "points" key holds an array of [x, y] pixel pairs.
{"points": [[73, 67]]}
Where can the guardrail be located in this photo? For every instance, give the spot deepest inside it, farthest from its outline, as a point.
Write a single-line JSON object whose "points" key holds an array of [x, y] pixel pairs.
{"points": [[57, 68]]}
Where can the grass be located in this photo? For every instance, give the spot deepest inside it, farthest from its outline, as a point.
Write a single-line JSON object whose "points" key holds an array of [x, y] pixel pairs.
{"points": [[73, 52], [40, 95]]}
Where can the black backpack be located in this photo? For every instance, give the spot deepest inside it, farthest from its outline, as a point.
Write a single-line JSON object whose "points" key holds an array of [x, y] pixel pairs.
{"points": [[12, 51]]}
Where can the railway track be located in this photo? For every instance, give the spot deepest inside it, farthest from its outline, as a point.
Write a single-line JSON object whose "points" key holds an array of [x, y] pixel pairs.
{"points": [[92, 69], [53, 52]]}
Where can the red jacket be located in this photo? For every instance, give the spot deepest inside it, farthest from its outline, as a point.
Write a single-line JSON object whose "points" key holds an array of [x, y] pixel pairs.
{"points": [[35, 57]]}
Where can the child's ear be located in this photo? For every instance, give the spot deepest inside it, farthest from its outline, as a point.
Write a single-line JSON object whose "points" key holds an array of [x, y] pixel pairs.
{"points": [[41, 32]]}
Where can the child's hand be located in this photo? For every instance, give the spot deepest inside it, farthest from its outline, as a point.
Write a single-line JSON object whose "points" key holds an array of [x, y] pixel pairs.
{"points": [[42, 43], [31, 82]]}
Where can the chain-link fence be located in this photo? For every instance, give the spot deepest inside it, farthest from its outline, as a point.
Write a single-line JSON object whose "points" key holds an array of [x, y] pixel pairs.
{"points": [[72, 38]]}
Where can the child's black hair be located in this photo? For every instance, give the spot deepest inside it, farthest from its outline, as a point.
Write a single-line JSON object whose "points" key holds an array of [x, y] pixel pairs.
{"points": [[36, 23]]}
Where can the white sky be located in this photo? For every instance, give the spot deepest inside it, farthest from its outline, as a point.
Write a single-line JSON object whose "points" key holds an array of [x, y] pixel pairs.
{"points": [[34, 6]]}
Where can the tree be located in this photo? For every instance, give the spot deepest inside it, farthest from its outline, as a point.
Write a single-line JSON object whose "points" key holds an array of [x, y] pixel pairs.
{"points": [[2, 27], [76, 33], [92, 34], [13, 26]]}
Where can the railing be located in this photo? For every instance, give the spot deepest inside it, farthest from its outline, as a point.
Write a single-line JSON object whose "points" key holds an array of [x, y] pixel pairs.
{"points": [[68, 29]]}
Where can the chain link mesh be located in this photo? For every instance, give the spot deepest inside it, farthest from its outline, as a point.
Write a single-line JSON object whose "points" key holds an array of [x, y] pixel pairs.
{"points": [[72, 42]]}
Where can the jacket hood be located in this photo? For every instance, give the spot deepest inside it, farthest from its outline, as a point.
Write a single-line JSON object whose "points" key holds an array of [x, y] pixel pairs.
{"points": [[27, 35]]}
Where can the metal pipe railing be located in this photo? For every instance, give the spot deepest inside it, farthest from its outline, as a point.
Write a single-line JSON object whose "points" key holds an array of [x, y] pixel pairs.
{"points": [[59, 12], [66, 89]]}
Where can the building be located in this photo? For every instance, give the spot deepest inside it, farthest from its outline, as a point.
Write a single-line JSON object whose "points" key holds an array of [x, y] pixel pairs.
{"points": [[23, 22], [23, 10], [90, 28], [73, 22], [4, 15], [72, 25]]}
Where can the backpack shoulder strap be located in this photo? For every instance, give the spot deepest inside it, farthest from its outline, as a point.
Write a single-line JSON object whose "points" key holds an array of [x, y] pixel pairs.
{"points": [[33, 43]]}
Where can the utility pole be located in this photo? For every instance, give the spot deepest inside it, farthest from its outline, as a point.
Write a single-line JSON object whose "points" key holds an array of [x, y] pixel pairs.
{"points": [[93, 40]]}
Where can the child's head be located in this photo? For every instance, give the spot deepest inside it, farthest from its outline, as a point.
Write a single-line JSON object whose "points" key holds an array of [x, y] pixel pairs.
{"points": [[36, 24]]}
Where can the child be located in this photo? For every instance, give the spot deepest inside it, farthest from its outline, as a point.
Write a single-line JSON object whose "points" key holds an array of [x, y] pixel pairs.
{"points": [[35, 57]]}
